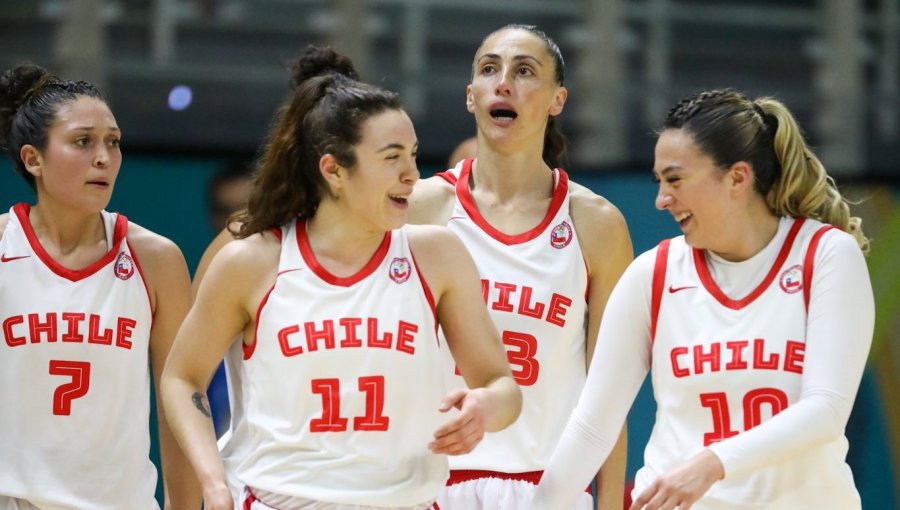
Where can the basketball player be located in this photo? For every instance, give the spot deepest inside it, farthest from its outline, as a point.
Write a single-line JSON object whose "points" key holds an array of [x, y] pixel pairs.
{"points": [[88, 302], [755, 324], [339, 309], [548, 251]]}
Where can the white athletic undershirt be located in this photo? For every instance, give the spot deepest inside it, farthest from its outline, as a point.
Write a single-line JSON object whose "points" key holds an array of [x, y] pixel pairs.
{"points": [[839, 328]]}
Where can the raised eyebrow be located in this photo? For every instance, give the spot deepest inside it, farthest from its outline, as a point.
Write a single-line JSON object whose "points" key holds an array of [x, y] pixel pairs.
{"points": [[529, 58]]}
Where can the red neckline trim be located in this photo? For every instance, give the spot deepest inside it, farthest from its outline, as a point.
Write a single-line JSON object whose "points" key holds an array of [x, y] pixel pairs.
{"points": [[465, 198], [346, 281], [121, 228], [736, 304]]}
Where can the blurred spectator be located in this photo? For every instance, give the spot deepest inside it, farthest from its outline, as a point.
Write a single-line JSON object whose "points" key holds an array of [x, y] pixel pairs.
{"points": [[226, 193], [465, 150]]}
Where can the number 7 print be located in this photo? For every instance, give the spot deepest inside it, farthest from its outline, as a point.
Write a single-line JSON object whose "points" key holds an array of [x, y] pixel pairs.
{"points": [[80, 372]]}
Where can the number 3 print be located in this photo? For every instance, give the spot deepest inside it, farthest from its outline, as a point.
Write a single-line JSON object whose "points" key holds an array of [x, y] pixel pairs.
{"points": [[521, 350]]}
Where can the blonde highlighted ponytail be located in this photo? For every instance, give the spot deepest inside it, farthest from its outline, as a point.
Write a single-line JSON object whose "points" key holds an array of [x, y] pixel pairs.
{"points": [[804, 187]]}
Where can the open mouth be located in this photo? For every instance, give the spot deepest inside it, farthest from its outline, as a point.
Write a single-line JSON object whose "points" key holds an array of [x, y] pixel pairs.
{"points": [[102, 184], [399, 200], [682, 218], [504, 114]]}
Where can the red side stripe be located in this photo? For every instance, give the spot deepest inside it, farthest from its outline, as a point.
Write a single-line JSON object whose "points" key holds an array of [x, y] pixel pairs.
{"points": [[809, 261], [659, 281]]}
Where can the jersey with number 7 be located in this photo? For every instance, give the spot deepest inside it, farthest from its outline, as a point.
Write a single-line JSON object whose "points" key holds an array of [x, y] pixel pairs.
{"points": [[76, 395]]}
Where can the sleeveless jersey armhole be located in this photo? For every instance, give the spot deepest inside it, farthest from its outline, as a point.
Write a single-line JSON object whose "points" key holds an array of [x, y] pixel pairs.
{"points": [[427, 290], [448, 176], [659, 281], [809, 261], [248, 350]]}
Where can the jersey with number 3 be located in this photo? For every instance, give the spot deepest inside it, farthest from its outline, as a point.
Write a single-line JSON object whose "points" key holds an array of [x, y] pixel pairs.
{"points": [[343, 381], [535, 288], [722, 365], [75, 397]]}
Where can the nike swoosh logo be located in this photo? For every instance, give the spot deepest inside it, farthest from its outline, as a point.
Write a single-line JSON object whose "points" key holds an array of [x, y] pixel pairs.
{"points": [[4, 258], [673, 290]]}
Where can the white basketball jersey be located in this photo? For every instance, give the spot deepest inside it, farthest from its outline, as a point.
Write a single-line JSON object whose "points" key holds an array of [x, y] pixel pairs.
{"points": [[234, 444], [734, 364], [76, 394], [535, 288], [342, 382]]}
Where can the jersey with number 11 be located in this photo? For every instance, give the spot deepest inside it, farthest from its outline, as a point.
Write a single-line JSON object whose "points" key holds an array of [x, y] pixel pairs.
{"points": [[342, 382], [75, 396]]}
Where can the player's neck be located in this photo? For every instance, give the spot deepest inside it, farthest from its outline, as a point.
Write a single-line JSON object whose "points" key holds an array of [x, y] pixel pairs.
{"points": [[511, 176], [64, 230]]}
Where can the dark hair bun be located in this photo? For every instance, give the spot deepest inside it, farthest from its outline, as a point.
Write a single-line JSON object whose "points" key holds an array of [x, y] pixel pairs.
{"points": [[320, 61], [15, 86]]}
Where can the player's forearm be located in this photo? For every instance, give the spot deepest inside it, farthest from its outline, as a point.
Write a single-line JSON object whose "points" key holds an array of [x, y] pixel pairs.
{"points": [[611, 478], [181, 487], [504, 403], [574, 462], [190, 421]]}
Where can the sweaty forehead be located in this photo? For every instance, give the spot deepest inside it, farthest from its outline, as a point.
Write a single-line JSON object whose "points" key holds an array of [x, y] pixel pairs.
{"points": [[82, 110], [513, 42]]}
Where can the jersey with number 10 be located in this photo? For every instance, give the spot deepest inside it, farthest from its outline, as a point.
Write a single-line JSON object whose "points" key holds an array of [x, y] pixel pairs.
{"points": [[535, 288], [722, 366], [343, 381], [75, 397]]}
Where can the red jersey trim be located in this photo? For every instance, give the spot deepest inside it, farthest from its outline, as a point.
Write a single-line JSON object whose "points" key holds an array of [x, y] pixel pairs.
{"points": [[659, 283], [465, 198], [448, 176], [467, 475], [140, 270], [428, 295], [310, 259], [121, 228], [251, 498], [276, 232], [736, 304], [249, 349], [809, 261]]}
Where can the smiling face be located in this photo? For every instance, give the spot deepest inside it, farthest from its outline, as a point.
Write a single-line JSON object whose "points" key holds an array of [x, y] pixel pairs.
{"points": [[377, 189], [514, 89], [81, 160], [694, 190]]}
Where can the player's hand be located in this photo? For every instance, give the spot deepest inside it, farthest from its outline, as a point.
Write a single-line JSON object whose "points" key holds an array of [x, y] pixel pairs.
{"points": [[217, 497], [462, 433], [682, 486]]}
